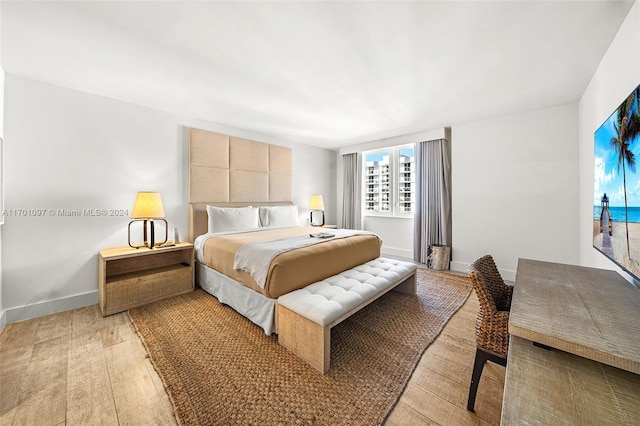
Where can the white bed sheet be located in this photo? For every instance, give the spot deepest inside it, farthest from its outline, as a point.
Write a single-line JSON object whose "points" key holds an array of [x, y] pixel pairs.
{"points": [[256, 307]]}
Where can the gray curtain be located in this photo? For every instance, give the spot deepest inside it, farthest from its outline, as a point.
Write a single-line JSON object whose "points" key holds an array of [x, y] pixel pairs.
{"points": [[351, 206], [432, 224]]}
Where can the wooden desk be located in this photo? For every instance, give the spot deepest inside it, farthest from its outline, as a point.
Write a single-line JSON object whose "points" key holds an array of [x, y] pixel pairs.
{"points": [[551, 387], [591, 318]]}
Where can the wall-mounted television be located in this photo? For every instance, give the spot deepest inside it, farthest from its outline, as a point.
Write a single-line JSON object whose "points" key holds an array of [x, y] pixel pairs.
{"points": [[616, 193]]}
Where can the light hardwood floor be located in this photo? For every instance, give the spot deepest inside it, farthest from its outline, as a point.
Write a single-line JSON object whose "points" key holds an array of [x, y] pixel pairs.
{"points": [[79, 368]]}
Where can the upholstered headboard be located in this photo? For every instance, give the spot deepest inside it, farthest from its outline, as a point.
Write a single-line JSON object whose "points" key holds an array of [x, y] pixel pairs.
{"points": [[229, 171]]}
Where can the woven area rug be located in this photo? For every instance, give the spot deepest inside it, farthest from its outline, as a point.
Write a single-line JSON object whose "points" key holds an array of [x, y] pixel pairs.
{"points": [[219, 368]]}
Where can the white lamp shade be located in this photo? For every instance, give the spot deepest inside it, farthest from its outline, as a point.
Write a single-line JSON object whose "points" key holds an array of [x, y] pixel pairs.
{"points": [[316, 203], [148, 205]]}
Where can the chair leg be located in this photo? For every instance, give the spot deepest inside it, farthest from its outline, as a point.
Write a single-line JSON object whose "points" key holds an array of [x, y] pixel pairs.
{"points": [[478, 365]]}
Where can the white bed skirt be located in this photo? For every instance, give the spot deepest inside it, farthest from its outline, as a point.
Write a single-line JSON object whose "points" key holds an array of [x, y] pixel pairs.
{"points": [[256, 307]]}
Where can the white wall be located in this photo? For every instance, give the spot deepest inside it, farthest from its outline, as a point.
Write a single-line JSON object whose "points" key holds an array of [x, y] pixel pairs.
{"points": [[617, 75], [314, 172], [396, 234], [3, 316], [70, 150], [515, 189]]}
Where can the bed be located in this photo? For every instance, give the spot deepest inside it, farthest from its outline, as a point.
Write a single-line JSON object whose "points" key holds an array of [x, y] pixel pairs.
{"points": [[292, 269], [228, 173]]}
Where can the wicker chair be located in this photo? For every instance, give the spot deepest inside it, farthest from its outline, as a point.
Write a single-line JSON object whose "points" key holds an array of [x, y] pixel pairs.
{"points": [[492, 333]]}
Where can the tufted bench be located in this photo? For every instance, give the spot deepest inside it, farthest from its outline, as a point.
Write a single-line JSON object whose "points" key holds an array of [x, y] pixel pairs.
{"points": [[305, 316]]}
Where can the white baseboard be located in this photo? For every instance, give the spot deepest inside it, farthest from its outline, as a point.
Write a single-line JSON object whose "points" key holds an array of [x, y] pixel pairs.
{"points": [[391, 251], [3, 319], [507, 274], [22, 313], [459, 266]]}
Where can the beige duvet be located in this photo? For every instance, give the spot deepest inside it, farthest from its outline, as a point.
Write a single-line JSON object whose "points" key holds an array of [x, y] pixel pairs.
{"points": [[293, 269]]}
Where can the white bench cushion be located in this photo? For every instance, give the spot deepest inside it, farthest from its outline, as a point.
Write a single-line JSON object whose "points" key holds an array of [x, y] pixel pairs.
{"points": [[325, 301]]}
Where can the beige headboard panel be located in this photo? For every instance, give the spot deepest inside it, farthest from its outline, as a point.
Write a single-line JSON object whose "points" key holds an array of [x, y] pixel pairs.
{"points": [[229, 171]]}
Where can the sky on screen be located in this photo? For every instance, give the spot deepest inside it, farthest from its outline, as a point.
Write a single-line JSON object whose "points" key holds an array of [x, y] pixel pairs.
{"points": [[607, 174]]}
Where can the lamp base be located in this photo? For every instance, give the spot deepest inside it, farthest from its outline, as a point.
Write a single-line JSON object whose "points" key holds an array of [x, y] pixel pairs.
{"points": [[311, 218], [151, 243]]}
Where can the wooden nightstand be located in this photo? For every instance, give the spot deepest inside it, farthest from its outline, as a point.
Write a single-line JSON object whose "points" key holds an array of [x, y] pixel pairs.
{"points": [[132, 277]]}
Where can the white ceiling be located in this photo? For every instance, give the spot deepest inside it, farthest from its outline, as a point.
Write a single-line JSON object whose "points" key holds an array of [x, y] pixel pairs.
{"points": [[328, 74]]}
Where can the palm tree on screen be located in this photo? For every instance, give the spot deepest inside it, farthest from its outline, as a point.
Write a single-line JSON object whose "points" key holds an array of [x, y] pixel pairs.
{"points": [[627, 127]]}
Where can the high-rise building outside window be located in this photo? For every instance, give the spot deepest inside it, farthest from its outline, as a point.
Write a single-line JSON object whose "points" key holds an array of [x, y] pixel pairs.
{"points": [[389, 181]]}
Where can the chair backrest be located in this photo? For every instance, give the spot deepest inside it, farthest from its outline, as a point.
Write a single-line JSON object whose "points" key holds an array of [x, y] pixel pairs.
{"points": [[489, 285], [492, 321]]}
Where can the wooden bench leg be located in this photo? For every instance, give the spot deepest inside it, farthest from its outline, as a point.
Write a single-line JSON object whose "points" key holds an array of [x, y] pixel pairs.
{"points": [[311, 342], [408, 286]]}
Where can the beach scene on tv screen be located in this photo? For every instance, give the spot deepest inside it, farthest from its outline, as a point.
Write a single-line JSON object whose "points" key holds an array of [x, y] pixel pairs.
{"points": [[616, 195]]}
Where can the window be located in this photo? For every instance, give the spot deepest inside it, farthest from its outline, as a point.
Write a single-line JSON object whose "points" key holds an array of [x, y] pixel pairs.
{"points": [[389, 181]]}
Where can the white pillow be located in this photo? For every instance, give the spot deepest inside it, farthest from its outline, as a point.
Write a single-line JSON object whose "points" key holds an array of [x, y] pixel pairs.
{"points": [[279, 216], [223, 219]]}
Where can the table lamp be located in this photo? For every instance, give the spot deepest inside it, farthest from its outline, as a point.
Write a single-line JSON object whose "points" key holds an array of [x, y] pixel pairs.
{"points": [[316, 203], [148, 208]]}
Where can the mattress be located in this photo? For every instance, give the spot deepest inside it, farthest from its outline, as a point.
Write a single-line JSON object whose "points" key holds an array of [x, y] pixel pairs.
{"points": [[292, 269]]}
